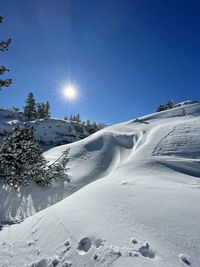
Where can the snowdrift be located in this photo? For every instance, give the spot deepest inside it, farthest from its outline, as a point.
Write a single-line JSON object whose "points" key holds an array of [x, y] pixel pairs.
{"points": [[133, 199]]}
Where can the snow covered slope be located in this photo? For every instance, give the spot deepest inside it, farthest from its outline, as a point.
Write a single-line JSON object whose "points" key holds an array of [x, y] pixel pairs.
{"points": [[48, 132], [133, 200]]}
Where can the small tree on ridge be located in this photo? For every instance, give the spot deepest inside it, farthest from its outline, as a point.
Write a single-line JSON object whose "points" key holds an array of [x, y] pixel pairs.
{"points": [[30, 109]]}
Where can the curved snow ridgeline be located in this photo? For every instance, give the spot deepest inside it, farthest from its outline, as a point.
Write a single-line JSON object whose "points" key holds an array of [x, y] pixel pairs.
{"points": [[133, 199]]}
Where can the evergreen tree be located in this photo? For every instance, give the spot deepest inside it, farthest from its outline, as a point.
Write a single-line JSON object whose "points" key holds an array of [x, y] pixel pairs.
{"points": [[78, 117], [39, 111], [87, 122], [20, 157], [161, 108], [65, 118], [47, 110], [71, 118], [59, 168], [94, 124], [170, 104], [43, 110], [21, 160], [4, 47], [74, 118], [30, 109]]}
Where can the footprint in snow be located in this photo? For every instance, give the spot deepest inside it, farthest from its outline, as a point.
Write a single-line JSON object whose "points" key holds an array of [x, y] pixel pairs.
{"points": [[67, 247], [95, 256], [67, 264], [133, 254], [145, 251], [185, 259], [67, 243], [40, 263], [134, 241], [55, 261], [124, 183], [65, 250], [84, 245]]}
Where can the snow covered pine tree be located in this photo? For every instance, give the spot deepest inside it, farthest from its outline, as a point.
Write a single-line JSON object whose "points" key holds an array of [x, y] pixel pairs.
{"points": [[21, 161]]}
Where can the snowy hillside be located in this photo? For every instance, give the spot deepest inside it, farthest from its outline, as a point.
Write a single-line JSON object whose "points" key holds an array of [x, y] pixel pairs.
{"points": [[133, 200], [48, 132]]}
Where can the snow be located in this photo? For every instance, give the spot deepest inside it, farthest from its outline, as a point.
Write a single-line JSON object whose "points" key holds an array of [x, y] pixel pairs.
{"points": [[133, 200], [48, 132]]}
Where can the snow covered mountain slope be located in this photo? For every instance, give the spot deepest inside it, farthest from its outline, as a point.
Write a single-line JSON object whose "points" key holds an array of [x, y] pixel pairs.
{"points": [[48, 132], [133, 200]]}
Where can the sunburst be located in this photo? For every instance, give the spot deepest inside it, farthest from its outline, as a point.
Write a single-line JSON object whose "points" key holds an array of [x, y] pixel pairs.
{"points": [[70, 91]]}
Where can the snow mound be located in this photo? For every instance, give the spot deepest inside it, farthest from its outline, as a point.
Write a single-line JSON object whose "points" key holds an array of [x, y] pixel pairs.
{"points": [[132, 200]]}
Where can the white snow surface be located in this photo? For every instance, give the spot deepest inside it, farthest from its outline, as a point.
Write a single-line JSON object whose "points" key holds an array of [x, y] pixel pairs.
{"points": [[133, 200]]}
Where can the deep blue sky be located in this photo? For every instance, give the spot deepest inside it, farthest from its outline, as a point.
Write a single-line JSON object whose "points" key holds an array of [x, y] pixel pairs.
{"points": [[126, 57]]}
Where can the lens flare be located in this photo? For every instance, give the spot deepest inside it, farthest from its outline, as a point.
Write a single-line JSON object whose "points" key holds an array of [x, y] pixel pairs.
{"points": [[70, 92]]}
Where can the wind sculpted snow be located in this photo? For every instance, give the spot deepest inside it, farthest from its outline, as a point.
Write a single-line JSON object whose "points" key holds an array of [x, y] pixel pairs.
{"points": [[133, 199]]}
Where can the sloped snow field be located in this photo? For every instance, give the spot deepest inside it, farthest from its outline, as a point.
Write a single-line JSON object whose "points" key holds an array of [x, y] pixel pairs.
{"points": [[133, 200]]}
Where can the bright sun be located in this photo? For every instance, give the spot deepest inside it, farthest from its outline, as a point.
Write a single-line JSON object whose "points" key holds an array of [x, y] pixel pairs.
{"points": [[70, 92]]}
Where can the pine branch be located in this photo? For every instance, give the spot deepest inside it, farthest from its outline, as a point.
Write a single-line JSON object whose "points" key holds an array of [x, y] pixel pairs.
{"points": [[4, 45], [3, 69], [65, 153], [5, 83]]}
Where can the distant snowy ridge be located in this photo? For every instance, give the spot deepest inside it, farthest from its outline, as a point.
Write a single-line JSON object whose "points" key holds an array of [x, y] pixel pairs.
{"points": [[48, 132]]}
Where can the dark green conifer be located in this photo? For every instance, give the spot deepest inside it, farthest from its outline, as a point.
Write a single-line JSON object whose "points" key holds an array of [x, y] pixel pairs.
{"points": [[4, 47]]}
